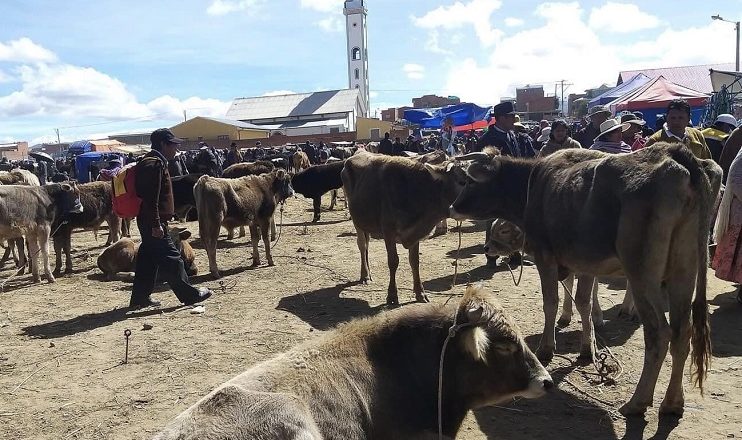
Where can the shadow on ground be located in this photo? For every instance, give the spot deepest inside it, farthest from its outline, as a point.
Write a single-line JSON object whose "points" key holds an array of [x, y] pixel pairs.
{"points": [[726, 325], [325, 308]]}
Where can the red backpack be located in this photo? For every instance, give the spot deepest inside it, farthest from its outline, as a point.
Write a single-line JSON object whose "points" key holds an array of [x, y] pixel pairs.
{"points": [[126, 202]]}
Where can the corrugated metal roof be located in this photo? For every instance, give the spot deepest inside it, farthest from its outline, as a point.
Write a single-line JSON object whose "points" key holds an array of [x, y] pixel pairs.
{"points": [[693, 77], [302, 124], [300, 104]]}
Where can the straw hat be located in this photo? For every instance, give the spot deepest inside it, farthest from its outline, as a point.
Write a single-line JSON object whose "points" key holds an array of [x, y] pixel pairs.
{"points": [[610, 125]]}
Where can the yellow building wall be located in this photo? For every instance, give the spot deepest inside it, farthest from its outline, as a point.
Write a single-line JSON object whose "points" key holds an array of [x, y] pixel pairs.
{"points": [[210, 130], [364, 126]]}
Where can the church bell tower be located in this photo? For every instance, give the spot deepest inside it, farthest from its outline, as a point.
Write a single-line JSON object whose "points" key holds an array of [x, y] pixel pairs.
{"points": [[357, 50]]}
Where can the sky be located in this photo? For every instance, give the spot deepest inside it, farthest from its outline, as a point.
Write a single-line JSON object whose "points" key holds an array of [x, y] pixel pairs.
{"points": [[90, 69]]}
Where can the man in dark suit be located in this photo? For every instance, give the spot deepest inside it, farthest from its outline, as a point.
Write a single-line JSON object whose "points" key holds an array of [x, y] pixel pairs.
{"points": [[501, 136]]}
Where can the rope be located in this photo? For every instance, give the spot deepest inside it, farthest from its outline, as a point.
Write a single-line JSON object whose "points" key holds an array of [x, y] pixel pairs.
{"points": [[280, 227], [28, 260], [458, 251]]}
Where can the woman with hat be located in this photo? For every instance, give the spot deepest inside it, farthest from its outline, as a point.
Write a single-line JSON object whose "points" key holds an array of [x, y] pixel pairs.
{"points": [[596, 115], [558, 138], [633, 135], [610, 139]]}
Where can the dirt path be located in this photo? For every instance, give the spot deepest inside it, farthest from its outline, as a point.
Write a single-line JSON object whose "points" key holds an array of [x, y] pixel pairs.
{"points": [[64, 344]]}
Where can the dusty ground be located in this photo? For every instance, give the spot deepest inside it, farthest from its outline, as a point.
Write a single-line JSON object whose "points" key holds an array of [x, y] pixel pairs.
{"points": [[61, 345]]}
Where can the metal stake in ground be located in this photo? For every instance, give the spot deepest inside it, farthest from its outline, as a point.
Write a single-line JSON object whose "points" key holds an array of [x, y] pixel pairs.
{"points": [[127, 333]]}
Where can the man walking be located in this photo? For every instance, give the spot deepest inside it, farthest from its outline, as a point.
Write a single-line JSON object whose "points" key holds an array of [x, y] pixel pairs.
{"points": [[158, 253]]}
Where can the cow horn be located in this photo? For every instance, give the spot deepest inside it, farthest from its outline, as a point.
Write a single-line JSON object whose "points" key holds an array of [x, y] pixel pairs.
{"points": [[476, 155]]}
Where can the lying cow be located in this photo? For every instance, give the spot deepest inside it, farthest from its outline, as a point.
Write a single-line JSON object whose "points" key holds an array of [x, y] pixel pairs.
{"points": [[315, 181], [122, 255], [300, 161], [29, 211], [506, 238], [249, 200], [401, 201], [248, 169], [644, 215], [375, 378], [97, 208]]}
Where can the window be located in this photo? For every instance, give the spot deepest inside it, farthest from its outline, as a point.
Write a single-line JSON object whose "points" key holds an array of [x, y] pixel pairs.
{"points": [[357, 86], [222, 137], [375, 134], [356, 53], [334, 129], [357, 73]]}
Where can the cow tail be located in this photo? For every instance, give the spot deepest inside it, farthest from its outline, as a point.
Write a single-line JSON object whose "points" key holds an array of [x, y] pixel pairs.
{"points": [[701, 330]]}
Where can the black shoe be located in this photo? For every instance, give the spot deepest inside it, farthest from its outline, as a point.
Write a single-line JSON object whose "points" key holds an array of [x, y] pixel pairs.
{"points": [[203, 295], [141, 305]]}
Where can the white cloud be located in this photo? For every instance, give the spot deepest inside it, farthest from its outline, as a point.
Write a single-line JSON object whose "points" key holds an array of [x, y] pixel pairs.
{"points": [[564, 46], [331, 23], [323, 5], [621, 18], [23, 50], [433, 44], [279, 92], [475, 13], [513, 22], [414, 71], [223, 7], [4, 77]]}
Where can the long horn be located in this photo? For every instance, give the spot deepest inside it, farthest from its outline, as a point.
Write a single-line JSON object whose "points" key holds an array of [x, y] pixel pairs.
{"points": [[477, 155]]}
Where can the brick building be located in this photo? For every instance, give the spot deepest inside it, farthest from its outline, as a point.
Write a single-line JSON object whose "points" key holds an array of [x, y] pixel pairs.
{"points": [[393, 114], [14, 150], [533, 104]]}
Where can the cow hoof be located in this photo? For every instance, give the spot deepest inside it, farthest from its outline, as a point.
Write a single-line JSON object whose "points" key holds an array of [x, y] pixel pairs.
{"points": [[563, 322], [586, 355], [66, 272], [50, 279], [544, 355], [36, 279], [255, 263], [57, 273], [672, 409], [630, 409], [422, 298], [215, 274], [315, 219], [270, 263], [392, 301]]}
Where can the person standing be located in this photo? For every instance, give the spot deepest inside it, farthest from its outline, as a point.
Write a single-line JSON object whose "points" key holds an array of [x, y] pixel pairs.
{"points": [[676, 129], [596, 115], [727, 261], [716, 135], [610, 138], [233, 156], [157, 252], [559, 139], [731, 148], [633, 134], [386, 146]]}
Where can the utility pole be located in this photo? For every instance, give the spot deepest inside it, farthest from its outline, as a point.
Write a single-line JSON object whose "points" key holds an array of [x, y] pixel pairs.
{"points": [[57, 130], [561, 102], [185, 118]]}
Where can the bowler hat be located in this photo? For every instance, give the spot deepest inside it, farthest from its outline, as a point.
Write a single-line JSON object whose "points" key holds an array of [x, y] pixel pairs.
{"points": [[503, 108], [632, 119]]}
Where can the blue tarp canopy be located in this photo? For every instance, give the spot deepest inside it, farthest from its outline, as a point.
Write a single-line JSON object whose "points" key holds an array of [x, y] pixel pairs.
{"points": [[620, 90], [460, 114], [79, 147], [98, 158]]}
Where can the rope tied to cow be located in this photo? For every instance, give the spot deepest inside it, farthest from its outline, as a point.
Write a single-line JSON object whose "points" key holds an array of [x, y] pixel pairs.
{"points": [[458, 251], [280, 225], [28, 260]]}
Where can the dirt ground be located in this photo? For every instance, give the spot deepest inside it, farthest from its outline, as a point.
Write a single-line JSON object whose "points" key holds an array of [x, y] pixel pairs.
{"points": [[62, 345]]}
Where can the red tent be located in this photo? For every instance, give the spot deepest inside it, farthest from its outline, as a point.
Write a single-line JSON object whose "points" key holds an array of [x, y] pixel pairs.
{"points": [[477, 125], [657, 93]]}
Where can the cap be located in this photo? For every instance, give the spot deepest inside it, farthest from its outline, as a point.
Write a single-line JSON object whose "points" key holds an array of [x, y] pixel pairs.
{"points": [[164, 135], [727, 119]]}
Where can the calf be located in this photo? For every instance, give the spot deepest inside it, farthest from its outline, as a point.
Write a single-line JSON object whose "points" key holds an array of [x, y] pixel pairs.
{"points": [[300, 161], [401, 201], [97, 208], [376, 378], [248, 169], [29, 211], [644, 215], [249, 200], [122, 255], [314, 181], [183, 199]]}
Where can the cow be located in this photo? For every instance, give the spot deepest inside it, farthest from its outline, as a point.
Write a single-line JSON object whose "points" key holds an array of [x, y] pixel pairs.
{"points": [[29, 211], [18, 176], [644, 215], [248, 169], [315, 181], [300, 161], [506, 238], [122, 255], [183, 199], [97, 207], [249, 200], [376, 378], [401, 201]]}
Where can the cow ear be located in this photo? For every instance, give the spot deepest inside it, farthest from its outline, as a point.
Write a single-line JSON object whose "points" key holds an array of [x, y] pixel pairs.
{"points": [[185, 234], [66, 187], [475, 342]]}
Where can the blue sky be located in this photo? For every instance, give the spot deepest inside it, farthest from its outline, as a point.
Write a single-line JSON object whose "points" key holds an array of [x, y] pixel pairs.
{"points": [[95, 68]]}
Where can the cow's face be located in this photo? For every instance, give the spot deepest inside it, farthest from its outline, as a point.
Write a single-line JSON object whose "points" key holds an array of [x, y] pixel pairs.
{"points": [[70, 198], [282, 185], [178, 234], [480, 197], [505, 238], [503, 365]]}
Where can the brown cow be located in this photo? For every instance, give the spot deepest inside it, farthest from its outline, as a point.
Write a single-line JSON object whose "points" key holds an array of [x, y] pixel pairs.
{"points": [[645, 215], [249, 200], [401, 201], [375, 378], [300, 161], [97, 207], [248, 169], [122, 255]]}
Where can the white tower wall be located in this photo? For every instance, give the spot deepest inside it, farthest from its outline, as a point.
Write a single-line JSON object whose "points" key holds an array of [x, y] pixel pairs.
{"points": [[357, 50]]}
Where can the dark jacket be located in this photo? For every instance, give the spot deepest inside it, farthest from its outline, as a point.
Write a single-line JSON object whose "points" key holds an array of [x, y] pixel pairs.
{"points": [[586, 136], [508, 143], [386, 147], [155, 189]]}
